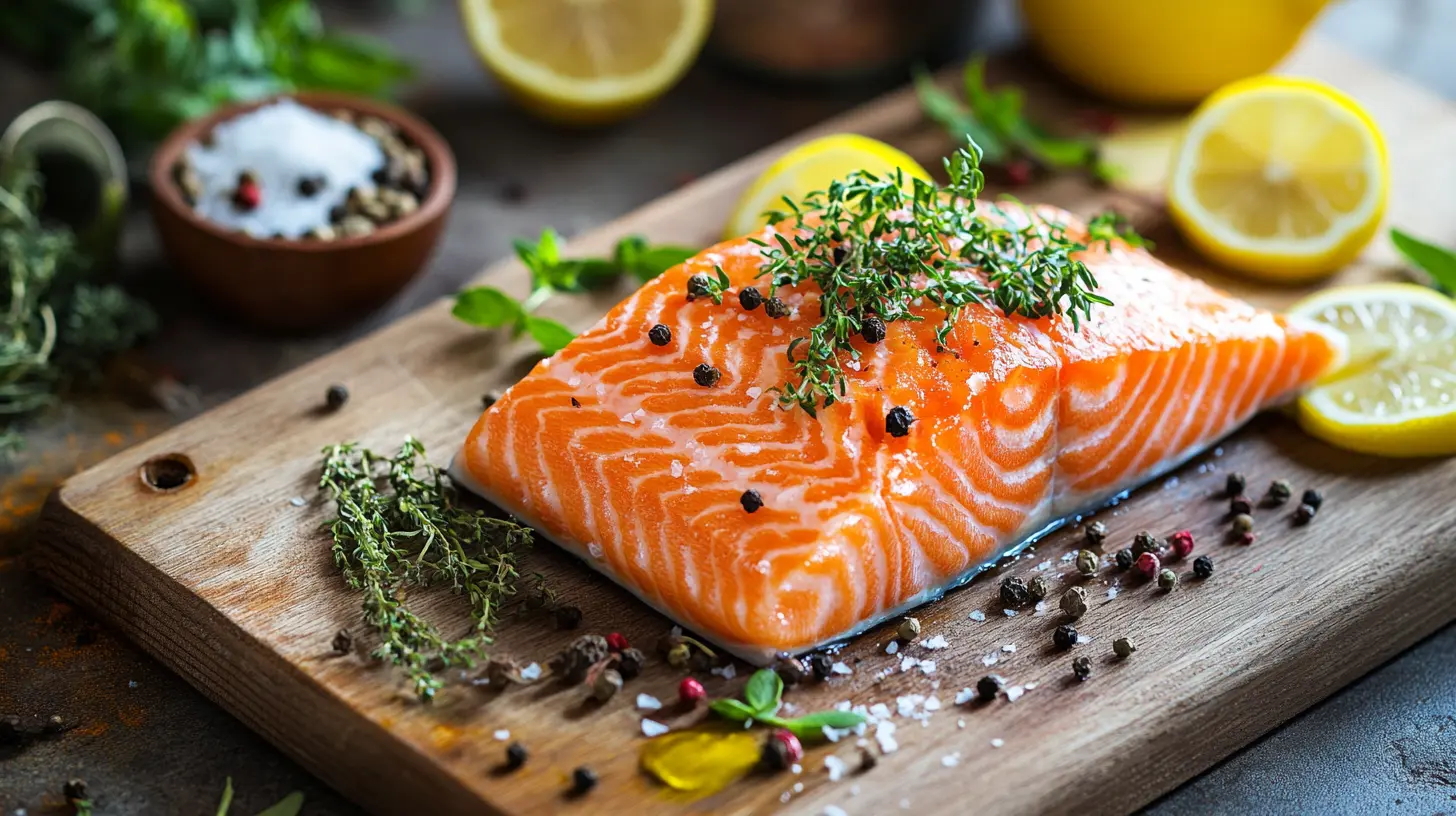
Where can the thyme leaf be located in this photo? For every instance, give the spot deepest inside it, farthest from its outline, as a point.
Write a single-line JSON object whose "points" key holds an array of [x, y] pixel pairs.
{"points": [[398, 524], [872, 246]]}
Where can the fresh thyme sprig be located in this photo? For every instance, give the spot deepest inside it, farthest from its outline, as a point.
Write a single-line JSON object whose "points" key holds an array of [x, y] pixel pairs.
{"points": [[414, 533], [872, 248]]}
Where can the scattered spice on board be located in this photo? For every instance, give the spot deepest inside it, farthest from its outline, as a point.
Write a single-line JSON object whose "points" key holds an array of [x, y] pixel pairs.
{"points": [[909, 629], [1124, 647], [567, 617], [335, 397], [1014, 593], [1235, 485], [1087, 563], [516, 756], [1064, 637], [1243, 523], [583, 779], [1038, 588], [1279, 492], [1148, 565], [1095, 533], [1181, 543], [989, 686], [1240, 505], [1304, 514], [1082, 668], [1125, 559], [343, 642], [1203, 566], [1167, 580], [1074, 602]]}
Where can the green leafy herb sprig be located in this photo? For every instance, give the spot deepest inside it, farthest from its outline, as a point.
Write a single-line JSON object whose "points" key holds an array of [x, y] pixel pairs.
{"points": [[58, 322], [762, 698], [289, 805], [996, 120], [399, 524], [868, 260], [1437, 261], [488, 307]]}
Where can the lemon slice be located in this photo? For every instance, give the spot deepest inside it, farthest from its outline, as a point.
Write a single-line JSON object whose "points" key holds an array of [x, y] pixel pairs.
{"points": [[1397, 394], [587, 61], [811, 167], [1284, 179]]}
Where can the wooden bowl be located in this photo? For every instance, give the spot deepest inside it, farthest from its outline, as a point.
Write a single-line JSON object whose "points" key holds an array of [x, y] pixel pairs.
{"points": [[301, 285]]}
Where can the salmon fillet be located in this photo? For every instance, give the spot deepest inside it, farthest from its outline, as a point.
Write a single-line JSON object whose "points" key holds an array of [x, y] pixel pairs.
{"points": [[614, 452]]}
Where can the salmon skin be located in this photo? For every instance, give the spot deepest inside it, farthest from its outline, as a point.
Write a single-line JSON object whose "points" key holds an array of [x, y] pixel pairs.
{"points": [[612, 450]]}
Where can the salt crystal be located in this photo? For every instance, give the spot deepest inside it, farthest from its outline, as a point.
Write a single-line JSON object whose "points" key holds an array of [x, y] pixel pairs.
{"points": [[835, 766], [1030, 686], [1010, 613], [904, 804], [854, 790], [885, 736], [1009, 648], [833, 810], [298, 501], [1111, 593], [531, 672], [879, 711], [964, 696], [629, 419], [927, 666], [647, 702], [798, 787], [796, 768], [842, 705], [937, 642], [977, 616], [990, 659], [754, 392], [653, 728], [951, 760], [841, 668], [1084, 638], [907, 663], [961, 723], [998, 742], [574, 381], [1014, 693], [894, 646], [502, 735], [906, 704], [1045, 565], [1040, 609], [932, 704], [727, 672], [675, 468]]}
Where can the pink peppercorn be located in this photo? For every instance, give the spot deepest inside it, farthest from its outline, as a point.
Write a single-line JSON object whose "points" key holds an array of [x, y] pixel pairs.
{"points": [[690, 691], [1246, 538], [1182, 543], [248, 195], [617, 643], [793, 749], [1148, 565]]}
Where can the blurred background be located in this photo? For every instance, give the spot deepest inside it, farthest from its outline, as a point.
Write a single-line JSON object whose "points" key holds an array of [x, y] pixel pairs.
{"points": [[528, 159]]}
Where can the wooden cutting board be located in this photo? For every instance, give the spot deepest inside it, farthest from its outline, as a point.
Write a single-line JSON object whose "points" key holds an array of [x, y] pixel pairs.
{"points": [[228, 580]]}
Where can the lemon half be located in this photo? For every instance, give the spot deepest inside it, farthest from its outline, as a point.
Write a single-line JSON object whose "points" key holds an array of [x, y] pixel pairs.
{"points": [[587, 61], [1397, 394], [1284, 179]]}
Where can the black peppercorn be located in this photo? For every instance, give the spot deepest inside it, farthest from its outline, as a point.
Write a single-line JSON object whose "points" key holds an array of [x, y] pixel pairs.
{"points": [[1203, 566], [751, 501], [335, 397], [775, 755], [1038, 588], [989, 686], [750, 298], [839, 254], [575, 403], [1014, 593], [820, 665], [630, 662], [699, 286], [1082, 668], [707, 376], [515, 756], [776, 308], [490, 398], [790, 669], [898, 421], [1146, 542], [1279, 492], [1304, 514], [872, 330], [568, 617], [1313, 498], [583, 779], [1125, 559], [1234, 485], [1065, 637], [309, 186], [75, 791], [343, 642], [1240, 505], [660, 335]]}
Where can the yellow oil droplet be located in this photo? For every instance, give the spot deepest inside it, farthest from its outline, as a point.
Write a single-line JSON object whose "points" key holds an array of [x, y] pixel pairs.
{"points": [[701, 762]]}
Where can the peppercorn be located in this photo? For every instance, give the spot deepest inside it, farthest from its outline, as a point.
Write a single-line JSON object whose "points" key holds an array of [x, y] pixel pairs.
{"points": [[838, 254], [583, 653], [247, 195], [989, 686], [750, 298], [1095, 533], [1081, 668], [1181, 543], [515, 756], [617, 642], [1243, 523], [308, 186], [751, 501], [1304, 514], [1065, 636], [821, 666], [707, 376], [781, 750], [75, 791], [575, 403], [1014, 593], [699, 661], [660, 335], [1037, 588], [630, 662], [490, 398], [1146, 542], [1123, 647], [583, 779], [1279, 492], [1087, 563], [776, 308], [568, 617], [1245, 538], [1313, 498], [909, 629], [1074, 602], [699, 286], [1167, 579], [872, 330], [691, 692], [789, 669], [1148, 564], [335, 397], [1240, 505], [898, 421], [1203, 566], [343, 642], [679, 655], [1234, 485], [1125, 559], [608, 683], [867, 760]]}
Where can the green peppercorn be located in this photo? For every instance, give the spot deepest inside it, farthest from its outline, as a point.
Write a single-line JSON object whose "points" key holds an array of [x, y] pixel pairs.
{"points": [[1014, 594], [1243, 523], [1065, 636], [679, 655], [1082, 668], [1203, 566], [1167, 579], [909, 629], [1095, 533], [1125, 559], [1279, 492], [1123, 647], [1038, 588], [1087, 563], [1074, 602]]}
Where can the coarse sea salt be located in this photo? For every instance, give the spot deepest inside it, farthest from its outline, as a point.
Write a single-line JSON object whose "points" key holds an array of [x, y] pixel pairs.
{"points": [[998, 742], [937, 642], [280, 143], [977, 616], [885, 736], [951, 760], [964, 696], [834, 810], [502, 735], [653, 728], [531, 672], [892, 647], [841, 668], [647, 702]]}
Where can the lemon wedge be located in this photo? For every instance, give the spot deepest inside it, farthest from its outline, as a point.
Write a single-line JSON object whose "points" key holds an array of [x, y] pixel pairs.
{"points": [[1397, 394], [587, 61], [812, 166], [1283, 179]]}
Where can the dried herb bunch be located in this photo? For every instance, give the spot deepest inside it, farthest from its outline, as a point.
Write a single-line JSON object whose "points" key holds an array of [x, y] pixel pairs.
{"points": [[873, 248], [398, 525]]}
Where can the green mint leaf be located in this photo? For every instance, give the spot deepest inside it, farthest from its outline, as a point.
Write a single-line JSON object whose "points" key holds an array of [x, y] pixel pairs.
{"points": [[811, 726], [764, 691], [1438, 262], [551, 335], [289, 805], [227, 798], [487, 307], [732, 710]]}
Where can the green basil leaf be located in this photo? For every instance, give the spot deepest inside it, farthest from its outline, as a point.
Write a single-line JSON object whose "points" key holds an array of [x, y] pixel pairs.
{"points": [[289, 805], [732, 710], [764, 691], [487, 307], [1438, 262], [551, 335]]}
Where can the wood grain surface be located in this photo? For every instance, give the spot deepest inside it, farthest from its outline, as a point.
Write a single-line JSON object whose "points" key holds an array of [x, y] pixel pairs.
{"points": [[230, 583]]}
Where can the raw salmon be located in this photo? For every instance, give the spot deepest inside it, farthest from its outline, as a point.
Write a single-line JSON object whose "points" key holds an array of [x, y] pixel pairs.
{"points": [[613, 451]]}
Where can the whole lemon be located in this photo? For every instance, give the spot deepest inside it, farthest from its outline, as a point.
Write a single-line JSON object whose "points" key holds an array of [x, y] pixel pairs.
{"points": [[1159, 52]]}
